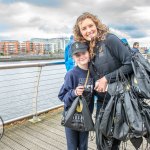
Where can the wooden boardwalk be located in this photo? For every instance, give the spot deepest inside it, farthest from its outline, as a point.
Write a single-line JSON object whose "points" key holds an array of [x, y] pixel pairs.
{"points": [[45, 135]]}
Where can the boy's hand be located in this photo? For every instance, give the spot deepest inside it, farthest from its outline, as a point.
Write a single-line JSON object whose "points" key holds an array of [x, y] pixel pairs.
{"points": [[79, 90]]}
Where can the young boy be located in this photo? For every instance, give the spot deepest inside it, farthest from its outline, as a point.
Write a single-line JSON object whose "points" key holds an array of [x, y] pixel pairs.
{"points": [[74, 86]]}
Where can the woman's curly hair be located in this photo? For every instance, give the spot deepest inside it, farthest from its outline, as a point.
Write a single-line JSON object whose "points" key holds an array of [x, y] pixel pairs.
{"points": [[102, 30]]}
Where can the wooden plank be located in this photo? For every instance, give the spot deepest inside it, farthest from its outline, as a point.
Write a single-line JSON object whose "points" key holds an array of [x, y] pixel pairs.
{"points": [[28, 144], [4, 146], [52, 129], [35, 139], [52, 140], [9, 141], [55, 122], [47, 133]]}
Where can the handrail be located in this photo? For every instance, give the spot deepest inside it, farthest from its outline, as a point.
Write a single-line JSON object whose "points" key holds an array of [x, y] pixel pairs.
{"points": [[24, 65]]}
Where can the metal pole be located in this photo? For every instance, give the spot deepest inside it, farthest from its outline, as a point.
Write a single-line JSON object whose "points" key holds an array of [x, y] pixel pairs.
{"points": [[34, 104]]}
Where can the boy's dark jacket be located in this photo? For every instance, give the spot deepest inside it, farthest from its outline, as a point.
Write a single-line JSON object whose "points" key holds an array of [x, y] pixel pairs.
{"points": [[74, 78]]}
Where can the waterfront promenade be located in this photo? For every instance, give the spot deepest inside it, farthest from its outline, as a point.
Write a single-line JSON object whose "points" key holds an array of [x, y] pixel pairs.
{"points": [[47, 134]]}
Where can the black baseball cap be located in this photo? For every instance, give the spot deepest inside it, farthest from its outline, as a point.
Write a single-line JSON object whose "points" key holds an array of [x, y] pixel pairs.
{"points": [[78, 47]]}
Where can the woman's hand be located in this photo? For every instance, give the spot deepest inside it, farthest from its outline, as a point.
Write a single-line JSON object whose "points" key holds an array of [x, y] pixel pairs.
{"points": [[79, 90], [101, 85]]}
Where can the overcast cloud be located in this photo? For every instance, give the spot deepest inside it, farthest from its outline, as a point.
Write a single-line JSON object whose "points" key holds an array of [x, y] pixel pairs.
{"points": [[26, 19]]}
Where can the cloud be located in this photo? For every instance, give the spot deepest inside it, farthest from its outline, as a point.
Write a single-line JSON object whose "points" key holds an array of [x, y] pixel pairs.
{"points": [[41, 3], [131, 30], [25, 19]]}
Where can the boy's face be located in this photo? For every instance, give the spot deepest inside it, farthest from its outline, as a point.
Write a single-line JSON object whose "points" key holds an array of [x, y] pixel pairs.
{"points": [[81, 58]]}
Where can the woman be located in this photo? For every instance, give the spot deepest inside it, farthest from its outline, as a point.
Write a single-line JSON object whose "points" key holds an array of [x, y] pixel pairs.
{"points": [[108, 55]]}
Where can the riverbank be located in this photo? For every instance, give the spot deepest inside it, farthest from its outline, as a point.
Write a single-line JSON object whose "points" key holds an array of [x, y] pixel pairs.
{"points": [[39, 57], [30, 57]]}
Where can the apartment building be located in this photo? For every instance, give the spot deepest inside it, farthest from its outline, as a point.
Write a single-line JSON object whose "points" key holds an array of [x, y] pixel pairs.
{"points": [[27, 47], [9, 47], [50, 45]]}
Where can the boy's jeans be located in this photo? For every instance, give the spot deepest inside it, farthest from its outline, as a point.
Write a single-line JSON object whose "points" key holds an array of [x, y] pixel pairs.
{"points": [[76, 140]]}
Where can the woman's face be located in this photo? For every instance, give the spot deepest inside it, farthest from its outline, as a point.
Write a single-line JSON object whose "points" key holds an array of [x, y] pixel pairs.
{"points": [[88, 29]]}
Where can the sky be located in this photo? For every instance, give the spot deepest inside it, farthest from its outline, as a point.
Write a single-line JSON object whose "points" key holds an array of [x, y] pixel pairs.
{"points": [[25, 19]]}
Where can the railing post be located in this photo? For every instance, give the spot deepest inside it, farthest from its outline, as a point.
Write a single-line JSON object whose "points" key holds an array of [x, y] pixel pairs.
{"points": [[34, 102]]}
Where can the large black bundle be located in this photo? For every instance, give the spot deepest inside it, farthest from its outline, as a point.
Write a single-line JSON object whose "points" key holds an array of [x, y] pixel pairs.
{"points": [[122, 118], [126, 116]]}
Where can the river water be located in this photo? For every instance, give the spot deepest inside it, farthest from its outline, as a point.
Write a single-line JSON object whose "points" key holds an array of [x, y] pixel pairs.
{"points": [[17, 89]]}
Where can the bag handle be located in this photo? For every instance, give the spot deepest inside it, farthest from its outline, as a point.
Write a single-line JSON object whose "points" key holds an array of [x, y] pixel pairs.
{"points": [[117, 79], [80, 105], [87, 77]]}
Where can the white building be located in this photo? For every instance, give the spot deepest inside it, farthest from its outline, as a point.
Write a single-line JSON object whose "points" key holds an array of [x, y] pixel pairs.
{"points": [[53, 44]]}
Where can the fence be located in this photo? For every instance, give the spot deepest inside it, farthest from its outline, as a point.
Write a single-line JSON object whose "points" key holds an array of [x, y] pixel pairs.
{"points": [[27, 89]]}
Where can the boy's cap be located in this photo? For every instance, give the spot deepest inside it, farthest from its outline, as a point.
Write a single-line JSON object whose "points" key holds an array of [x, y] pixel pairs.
{"points": [[78, 47]]}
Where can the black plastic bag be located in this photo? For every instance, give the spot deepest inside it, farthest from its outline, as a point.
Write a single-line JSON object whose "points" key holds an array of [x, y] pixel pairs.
{"points": [[143, 61], [114, 122], [121, 124], [79, 121], [133, 113], [141, 77], [107, 121], [145, 108], [101, 141]]}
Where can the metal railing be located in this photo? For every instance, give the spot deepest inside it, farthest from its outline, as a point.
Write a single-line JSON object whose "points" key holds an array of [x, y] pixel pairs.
{"points": [[27, 89]]}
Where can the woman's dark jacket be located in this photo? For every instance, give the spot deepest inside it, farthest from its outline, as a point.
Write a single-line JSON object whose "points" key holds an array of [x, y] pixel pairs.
{"points": [[111, 55]]}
